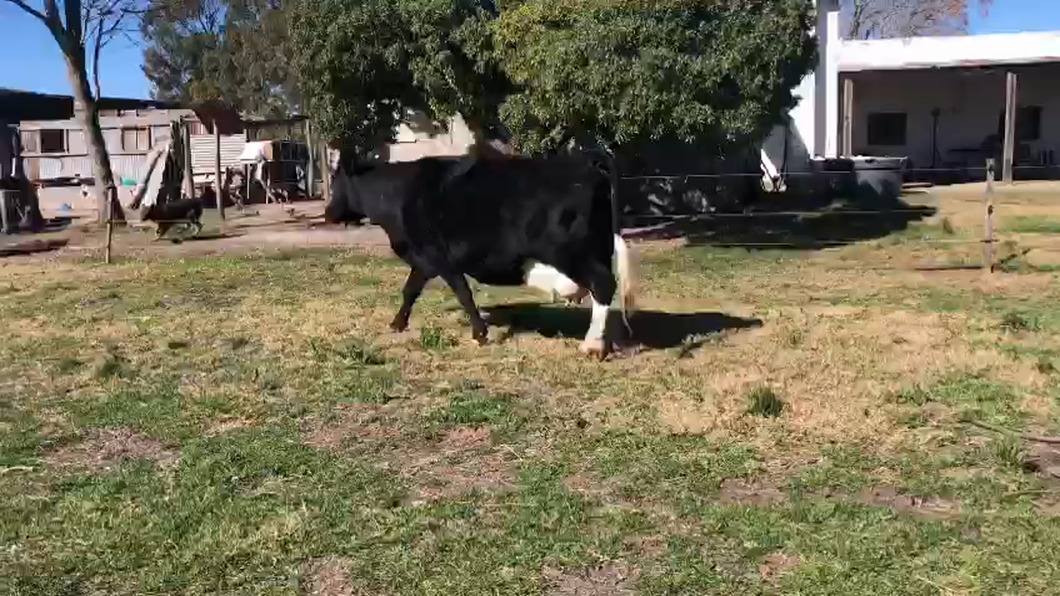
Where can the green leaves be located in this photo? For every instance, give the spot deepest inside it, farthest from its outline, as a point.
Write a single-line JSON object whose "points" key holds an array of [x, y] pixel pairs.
{"points": [[629, 71], [622, 72], [366, 63], [232, 50]]}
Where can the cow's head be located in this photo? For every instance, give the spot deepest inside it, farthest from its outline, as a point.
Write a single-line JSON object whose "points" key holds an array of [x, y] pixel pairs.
{"points": [[344, 205]]}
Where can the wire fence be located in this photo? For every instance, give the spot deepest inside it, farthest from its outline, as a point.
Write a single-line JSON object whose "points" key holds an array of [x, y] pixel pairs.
{"points": [[661, 225], [771, 225], [980, 170]]}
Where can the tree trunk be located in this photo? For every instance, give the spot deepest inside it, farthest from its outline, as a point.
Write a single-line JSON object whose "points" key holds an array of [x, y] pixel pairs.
{"points": [[88, 116]]}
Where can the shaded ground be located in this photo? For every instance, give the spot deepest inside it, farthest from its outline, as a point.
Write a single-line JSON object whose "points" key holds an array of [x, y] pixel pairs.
{"points": [[791, 223], [244, 423]]}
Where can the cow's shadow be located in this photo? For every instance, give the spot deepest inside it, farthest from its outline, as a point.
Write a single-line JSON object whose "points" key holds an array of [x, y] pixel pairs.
{"points": [[653, 329]]}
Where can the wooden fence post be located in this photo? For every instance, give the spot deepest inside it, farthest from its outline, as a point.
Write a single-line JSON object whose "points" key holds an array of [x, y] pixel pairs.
{"points": [[189, 181], [310, 174], [1009, 148], [325, 171], [217, 174], [5, 225], [847, 150], [988, 235], [112, 197]]}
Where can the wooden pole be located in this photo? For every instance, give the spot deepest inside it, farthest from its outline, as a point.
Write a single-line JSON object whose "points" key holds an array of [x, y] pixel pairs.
{"points": [[309, 174], [1010, 126], [988, 235], [847, 149], [325, 171], [5, 225], [189, 181], [112, 198], [217, 173]]}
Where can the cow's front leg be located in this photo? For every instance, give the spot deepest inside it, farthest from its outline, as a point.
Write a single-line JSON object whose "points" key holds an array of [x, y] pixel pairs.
{"points": [[479, 330], [413, 288], [602, 290]]}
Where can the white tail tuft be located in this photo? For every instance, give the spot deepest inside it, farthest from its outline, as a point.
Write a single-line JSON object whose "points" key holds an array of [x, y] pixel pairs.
{"points": [[626, 279]]}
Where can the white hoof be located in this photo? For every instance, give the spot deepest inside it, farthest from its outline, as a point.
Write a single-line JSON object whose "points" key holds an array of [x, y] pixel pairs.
{"points": [[593, 347]]}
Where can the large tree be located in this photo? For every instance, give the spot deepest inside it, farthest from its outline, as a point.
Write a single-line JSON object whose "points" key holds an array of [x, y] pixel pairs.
{"points": [[231, 50], [609, 72], [77, 26], [873, 19], [365, 65], [617, 72]]}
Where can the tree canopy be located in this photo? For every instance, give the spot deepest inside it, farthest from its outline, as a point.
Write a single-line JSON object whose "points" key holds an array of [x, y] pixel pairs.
{"points": [[367, 63], [545, 72], [232, 50], [622, 71]]}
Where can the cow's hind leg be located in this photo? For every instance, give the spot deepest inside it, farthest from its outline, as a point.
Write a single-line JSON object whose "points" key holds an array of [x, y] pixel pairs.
{"points": [[458, 283], [163, 227], [413, 288], [602, 286]]}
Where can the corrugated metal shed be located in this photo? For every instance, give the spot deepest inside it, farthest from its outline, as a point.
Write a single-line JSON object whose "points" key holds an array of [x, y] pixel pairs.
{"points": [[202, 152], [49, 168]]}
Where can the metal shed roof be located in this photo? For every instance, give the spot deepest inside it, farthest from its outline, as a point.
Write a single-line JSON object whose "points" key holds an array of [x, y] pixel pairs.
{"points": [[912, 53], [17, 105]]}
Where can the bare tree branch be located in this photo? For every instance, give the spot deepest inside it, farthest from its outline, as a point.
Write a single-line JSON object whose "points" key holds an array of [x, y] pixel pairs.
{"points": [[95, 56], [30, 10], [869, 19]]}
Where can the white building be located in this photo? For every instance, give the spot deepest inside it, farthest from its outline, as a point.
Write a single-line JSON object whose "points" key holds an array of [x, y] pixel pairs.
{"points": [[939, 101]]}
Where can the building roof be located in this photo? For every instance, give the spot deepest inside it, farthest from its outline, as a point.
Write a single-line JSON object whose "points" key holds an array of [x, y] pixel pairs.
{"points": [[17, 105], [1003, 49]]}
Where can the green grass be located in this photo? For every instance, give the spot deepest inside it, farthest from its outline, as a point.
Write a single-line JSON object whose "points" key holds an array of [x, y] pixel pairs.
{"points": [[762, 401], [1031, 225], [270, 426]]}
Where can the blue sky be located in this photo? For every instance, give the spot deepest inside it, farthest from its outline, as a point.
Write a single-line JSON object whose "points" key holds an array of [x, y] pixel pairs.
{"points": [[32, 59]]}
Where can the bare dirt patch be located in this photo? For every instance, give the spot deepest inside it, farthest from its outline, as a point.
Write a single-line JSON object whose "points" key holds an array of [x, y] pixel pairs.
{"points": [[109, 448], [227, 426], [461, 461], [742, 492], [356, 425], [1044, 460], [330, 577], [609, 579], [929, 508], [776, 566]]}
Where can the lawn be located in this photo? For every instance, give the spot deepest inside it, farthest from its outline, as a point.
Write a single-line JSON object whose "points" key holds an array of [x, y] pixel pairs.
{"points": [[793, 423]]}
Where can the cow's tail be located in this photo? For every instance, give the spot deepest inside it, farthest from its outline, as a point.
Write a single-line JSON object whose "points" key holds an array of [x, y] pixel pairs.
{"points": [[627, 281]]}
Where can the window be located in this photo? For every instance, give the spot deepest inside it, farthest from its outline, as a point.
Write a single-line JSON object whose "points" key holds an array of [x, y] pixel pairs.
{"points": [[887, 129], [1028, 124], [44, 141], [53, 141], [135, 139], [30, 141]]}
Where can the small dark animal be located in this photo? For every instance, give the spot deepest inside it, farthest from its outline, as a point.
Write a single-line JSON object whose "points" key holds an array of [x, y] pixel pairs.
{"points": [[181, 211], [544, 222]]}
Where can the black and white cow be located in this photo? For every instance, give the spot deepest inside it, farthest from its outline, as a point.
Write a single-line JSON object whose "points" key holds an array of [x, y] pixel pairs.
{"points": [[545, 222]]}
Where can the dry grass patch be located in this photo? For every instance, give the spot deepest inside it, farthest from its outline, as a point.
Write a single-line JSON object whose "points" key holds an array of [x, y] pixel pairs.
{"points": [[109, 448], [774, 567], [461, 461], [457, 461], [353, 425], [891, 498], [329, 577], [758, 494], [608, 579]]}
